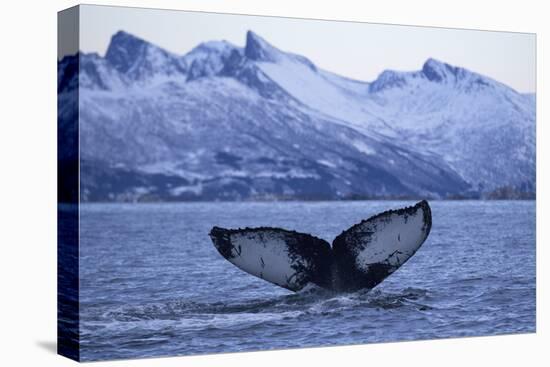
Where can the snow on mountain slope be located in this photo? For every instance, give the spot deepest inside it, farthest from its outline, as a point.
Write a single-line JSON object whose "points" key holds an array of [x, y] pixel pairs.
{"points": [[441, 109], [219, 138], [224, 122], [482, 128], [322, 91]]}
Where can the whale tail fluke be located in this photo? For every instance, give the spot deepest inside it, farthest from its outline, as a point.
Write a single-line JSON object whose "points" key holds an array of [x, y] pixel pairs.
{"points": [[368, 252], [361, 256], [286, 258]]}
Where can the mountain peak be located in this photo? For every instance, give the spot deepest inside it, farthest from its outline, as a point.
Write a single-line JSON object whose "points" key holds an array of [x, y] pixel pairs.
{"points": [[438, 71], [139, 59], [210, 49], [259, 49], [216, 46], [388, 79], [123, 35], [124, 49], [122, 39], [209, 58]]}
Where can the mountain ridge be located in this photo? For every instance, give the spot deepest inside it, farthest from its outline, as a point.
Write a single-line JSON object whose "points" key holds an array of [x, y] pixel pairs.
{"points": [[420, 133]]}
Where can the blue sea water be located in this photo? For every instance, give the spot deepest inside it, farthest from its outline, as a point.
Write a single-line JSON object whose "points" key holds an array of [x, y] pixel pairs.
{"points": [[152, 284]]}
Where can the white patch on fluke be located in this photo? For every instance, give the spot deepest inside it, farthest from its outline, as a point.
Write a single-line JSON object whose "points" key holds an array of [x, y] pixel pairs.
{"points": [[395, 239], [266, 259]]}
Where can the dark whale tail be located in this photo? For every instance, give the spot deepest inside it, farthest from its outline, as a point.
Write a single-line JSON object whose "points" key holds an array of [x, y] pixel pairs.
{"points": [[361, 256]]}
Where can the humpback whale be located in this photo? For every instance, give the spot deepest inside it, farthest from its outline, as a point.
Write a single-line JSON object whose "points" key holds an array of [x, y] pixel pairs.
{"points": [[360, 257]]}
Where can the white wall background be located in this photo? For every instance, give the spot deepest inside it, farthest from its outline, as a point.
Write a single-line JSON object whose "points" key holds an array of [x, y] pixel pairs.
{"points": [[28, 183]]}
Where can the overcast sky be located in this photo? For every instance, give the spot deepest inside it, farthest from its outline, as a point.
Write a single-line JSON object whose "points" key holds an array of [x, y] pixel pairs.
{"points": [[357, 50]]}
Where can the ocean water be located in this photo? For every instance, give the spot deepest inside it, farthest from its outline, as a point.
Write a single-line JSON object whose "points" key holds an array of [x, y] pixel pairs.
{"points": [[152, 283]]}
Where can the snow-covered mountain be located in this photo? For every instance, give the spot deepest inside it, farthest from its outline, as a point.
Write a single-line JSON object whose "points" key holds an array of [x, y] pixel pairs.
{"points": [[230, 123]]}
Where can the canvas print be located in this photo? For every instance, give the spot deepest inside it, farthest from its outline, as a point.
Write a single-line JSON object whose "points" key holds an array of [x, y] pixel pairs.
{"points": [[232, 183]]}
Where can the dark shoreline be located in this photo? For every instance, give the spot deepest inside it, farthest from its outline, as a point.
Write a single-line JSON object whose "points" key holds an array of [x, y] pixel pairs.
{"points": [[289, 201]]}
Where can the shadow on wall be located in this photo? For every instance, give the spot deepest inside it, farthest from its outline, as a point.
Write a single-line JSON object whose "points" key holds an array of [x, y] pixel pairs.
{"points": [[48, 345]]}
